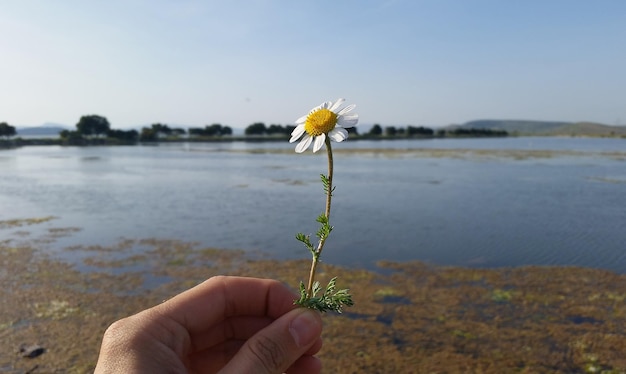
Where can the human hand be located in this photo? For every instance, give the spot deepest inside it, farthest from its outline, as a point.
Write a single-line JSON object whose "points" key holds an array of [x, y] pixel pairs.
{"points": [[226, 325]]}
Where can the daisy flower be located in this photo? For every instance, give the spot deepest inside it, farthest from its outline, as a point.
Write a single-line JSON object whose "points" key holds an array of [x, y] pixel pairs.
{"points": [[324, 120]]}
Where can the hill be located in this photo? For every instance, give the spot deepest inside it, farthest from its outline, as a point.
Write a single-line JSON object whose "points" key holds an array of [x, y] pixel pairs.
{"points": [[546, 128], [43, 130]]}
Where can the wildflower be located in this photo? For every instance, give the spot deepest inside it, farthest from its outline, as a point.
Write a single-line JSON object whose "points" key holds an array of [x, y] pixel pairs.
{"points": [[323, 123], [324, 120]]}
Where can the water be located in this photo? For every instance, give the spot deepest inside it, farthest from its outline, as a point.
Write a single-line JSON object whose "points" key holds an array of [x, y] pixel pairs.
{"points": [[453, 209]]}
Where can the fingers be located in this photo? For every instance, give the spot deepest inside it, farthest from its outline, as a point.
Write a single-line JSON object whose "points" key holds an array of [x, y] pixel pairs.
{"points": [[231, 329], [218, 298], [306, 364], [281, 345], [223, 311], [212, 360], [235, 329]]}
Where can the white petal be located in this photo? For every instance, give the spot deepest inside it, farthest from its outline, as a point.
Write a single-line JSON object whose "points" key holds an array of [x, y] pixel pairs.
{"points": [[336, 105], [338, 134], [304, 143], [317, 108], [301, 120], [326, 105], [319, 142], [296, 133], [348, 121], [346, 109]]}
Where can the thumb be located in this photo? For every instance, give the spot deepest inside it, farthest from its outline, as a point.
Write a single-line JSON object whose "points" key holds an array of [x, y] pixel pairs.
{"points": [[276, 347]]}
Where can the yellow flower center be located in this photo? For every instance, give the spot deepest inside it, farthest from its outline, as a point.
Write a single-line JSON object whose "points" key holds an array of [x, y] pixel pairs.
{"points": [[320, 122]]}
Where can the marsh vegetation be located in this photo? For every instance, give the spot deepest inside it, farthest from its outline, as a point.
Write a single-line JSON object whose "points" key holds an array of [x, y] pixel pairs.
{"points": [[409, 317]]}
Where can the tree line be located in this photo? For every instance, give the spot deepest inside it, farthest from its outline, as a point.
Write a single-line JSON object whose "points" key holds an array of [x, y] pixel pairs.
{"points": [[259, 128], [425, 132], [96, 129], [6, 130]]}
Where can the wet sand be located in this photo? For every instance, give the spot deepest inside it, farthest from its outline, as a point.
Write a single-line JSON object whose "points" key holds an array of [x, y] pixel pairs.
{"points": [[408, 317]]}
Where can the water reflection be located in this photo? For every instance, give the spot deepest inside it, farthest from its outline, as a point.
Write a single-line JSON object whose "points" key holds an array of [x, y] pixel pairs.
{"points": [[458, 207]]}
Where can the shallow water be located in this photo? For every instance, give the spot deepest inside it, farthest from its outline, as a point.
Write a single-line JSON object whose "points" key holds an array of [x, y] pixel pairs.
{"points": [[446, 201]]}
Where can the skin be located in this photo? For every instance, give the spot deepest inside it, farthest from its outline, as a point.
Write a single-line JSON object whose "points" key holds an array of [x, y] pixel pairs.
{"points": [[224, 325]]}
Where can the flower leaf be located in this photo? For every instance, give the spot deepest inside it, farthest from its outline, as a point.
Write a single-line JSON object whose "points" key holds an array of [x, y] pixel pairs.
{"points": [[306, 241], [329, 300]]}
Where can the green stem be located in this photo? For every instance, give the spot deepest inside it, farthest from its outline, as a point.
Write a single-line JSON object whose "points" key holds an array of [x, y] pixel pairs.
{"points": [[320, 245], [329, 193]]}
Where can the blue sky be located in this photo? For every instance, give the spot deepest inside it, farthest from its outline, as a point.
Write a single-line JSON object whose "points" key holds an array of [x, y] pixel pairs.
{"points": [[403, 62]]}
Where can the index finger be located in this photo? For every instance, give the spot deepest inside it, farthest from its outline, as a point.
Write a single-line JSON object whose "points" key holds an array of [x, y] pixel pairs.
{"points": [[221, 297]]}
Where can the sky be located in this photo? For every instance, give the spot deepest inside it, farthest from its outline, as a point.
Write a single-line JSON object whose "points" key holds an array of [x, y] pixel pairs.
{"points": [[430, 63]]}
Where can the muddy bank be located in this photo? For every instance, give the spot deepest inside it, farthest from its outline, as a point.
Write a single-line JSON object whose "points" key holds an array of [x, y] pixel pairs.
{"points": [[408, 317]]}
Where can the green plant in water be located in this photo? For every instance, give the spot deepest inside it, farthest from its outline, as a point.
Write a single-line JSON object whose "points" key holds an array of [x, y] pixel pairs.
{"points": [[501, 296], [324, 123]]}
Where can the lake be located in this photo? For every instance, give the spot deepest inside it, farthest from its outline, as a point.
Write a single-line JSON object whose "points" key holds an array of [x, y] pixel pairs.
{"points": [[470, 202]]}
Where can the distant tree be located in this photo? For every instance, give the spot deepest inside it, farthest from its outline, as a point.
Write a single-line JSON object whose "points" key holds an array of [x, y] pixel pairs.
{"points": [[131, 135], [177, 131], [227, 130], [473, 132], [123, 135], [93, 125], [289, 129], [257, 128], [391, 131], [72, 137], [7, 130], [161, 130], [422, 131], [376, 130], [352, 130], [195, 131], [274, 129], [148, 134], [215, 129]]}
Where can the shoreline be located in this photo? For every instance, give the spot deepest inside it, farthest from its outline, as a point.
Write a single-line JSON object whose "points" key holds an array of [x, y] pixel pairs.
{"points": [[47, 141], [407, 315]]}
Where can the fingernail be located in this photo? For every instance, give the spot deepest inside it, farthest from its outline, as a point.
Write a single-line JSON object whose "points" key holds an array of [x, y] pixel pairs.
{"points": [[304, 328]]}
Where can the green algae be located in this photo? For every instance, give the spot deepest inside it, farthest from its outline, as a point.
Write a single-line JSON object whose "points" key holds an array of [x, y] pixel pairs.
{"points": [[11, 223], [408, 317]]}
